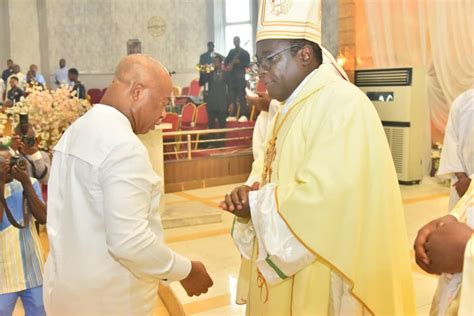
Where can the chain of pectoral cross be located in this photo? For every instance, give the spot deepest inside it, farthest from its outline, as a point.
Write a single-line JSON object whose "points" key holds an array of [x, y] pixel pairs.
{"points": [[271, 150]]}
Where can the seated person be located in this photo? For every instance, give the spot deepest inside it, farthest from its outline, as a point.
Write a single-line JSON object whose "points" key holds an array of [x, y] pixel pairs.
{"points": [[445, 247], [77, 86], [31, 80], [38, 163], [15, 93], [21, 255]]}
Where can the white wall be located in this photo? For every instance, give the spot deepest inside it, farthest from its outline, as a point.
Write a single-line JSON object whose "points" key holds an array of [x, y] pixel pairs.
{"points": [[92, 34]]}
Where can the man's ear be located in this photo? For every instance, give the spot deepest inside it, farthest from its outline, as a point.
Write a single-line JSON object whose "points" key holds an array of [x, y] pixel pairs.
{"points": [[137, 90], [306, 54]]}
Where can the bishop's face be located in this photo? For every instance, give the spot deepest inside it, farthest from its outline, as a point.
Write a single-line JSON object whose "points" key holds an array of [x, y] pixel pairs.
{"points": [[279, 69]]}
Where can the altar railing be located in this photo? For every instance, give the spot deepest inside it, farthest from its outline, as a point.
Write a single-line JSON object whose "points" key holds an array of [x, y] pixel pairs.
{"points": [[198, 143]]}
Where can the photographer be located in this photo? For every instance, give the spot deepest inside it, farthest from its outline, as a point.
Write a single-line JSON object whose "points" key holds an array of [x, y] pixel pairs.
{"points": [[21, 255], [38, 162]]}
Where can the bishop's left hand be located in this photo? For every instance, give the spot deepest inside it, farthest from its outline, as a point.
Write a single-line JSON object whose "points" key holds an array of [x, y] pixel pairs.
{"points": [[237, 202], [445, 247]]}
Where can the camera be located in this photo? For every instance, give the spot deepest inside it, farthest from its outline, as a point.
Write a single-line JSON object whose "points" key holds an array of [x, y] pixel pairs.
{"points": [[17, 161], [28, 140]]}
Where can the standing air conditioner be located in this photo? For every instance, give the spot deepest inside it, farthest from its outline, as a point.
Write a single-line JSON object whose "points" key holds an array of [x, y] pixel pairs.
{"points": [[399, 97]]}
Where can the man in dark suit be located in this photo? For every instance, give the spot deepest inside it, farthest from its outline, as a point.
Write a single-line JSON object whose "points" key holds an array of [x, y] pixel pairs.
{"points": [[236, 61]]}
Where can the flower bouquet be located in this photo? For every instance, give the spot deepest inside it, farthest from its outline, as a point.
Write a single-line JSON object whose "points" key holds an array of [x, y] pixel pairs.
{"points": [[50, 112]]}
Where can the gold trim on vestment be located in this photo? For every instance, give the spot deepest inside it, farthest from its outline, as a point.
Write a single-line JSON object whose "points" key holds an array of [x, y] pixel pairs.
{"points": [[319, 257]]}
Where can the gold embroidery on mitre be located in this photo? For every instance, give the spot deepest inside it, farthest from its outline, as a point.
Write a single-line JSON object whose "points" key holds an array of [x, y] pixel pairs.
{"points": [[281, 6]]}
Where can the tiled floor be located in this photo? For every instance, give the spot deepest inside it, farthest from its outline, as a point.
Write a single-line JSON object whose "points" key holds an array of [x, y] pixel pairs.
{"points": [[211, 243]]}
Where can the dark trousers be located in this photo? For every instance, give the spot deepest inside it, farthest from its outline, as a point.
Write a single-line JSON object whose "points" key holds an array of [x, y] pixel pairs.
{"points": [[220, 116], [237, 95]]}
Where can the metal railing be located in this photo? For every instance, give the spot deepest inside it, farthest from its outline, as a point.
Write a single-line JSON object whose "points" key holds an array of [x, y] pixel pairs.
{"points": [[193, 137]]}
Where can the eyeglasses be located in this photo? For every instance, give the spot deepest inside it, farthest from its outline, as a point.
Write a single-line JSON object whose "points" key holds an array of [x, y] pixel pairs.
{"points": [[266, 62]]}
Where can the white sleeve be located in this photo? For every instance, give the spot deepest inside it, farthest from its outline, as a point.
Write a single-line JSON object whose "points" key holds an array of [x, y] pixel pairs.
{"points": [[450, 161], [243, 235], [281, 254], [127, 180], [259, 134]]}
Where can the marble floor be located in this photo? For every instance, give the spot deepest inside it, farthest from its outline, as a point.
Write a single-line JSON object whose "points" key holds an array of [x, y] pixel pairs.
{"points": [[212, 244]]}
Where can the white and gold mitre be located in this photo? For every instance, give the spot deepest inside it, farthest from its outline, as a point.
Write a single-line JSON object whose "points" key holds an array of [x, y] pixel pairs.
{"points": [[289, 19], [293, 19]]}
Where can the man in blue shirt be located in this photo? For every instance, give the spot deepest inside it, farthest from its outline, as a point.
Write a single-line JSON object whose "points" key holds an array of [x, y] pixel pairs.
{"points": [[21, 256]]}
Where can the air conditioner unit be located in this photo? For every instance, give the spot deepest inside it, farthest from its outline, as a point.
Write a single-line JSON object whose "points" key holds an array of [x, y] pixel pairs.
{"points": [[399, 95]]}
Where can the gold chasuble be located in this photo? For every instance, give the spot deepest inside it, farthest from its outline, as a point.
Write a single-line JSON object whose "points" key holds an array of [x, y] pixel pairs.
{"points": [[337, 190]]}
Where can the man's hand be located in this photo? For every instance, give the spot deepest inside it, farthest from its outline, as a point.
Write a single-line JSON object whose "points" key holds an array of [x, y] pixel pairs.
{"points": [[4, 171], [27, 150], [16, 142], [237, 202], [262, 101], [20, 175], [198, 281], [462, 184], [445, 247], [421, 257]]}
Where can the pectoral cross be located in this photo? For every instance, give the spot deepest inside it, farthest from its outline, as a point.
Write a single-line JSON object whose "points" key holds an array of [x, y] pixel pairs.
{"points": [[270, 155]]}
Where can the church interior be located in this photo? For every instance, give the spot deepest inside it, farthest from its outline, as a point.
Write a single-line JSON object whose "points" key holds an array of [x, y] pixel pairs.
{"points": [[411, 59]]}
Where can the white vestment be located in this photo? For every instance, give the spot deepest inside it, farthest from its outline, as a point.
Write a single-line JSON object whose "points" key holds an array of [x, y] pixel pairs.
{"points": [[107, 252], [458, 147]]}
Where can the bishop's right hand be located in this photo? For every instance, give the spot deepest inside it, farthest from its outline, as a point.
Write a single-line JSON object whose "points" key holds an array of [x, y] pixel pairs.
{"points": [[198, 281]]}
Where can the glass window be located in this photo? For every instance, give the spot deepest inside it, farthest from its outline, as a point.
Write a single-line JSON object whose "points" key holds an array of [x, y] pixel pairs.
{"points": [[237, 11]]}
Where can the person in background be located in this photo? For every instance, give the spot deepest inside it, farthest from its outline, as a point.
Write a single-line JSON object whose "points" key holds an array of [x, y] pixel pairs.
{"points": [[73, 76], [9, 71], [2, 90], [31, 80], [457, 156], [236, 61], [61, 74], [19, 75], [25, 143], [21, 254], [206, 59], [15, 93], [217, 100], [38, 76]]}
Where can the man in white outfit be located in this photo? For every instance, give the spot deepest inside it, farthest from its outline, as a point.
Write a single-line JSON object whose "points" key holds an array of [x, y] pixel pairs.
{"points": [[457, 157], [107, 253]]}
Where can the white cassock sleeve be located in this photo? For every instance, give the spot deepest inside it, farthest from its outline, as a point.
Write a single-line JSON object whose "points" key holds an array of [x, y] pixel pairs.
{"points": [[281, 254], [127, 187], [450, 161], [259, 134]]}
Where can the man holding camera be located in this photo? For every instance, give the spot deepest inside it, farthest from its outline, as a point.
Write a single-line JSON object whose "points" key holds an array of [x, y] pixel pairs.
{"points": [[21, 255], [38, 162]]}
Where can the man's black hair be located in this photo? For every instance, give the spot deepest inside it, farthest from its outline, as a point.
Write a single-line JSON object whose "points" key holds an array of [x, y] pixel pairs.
{"points": [[73, 71]]}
